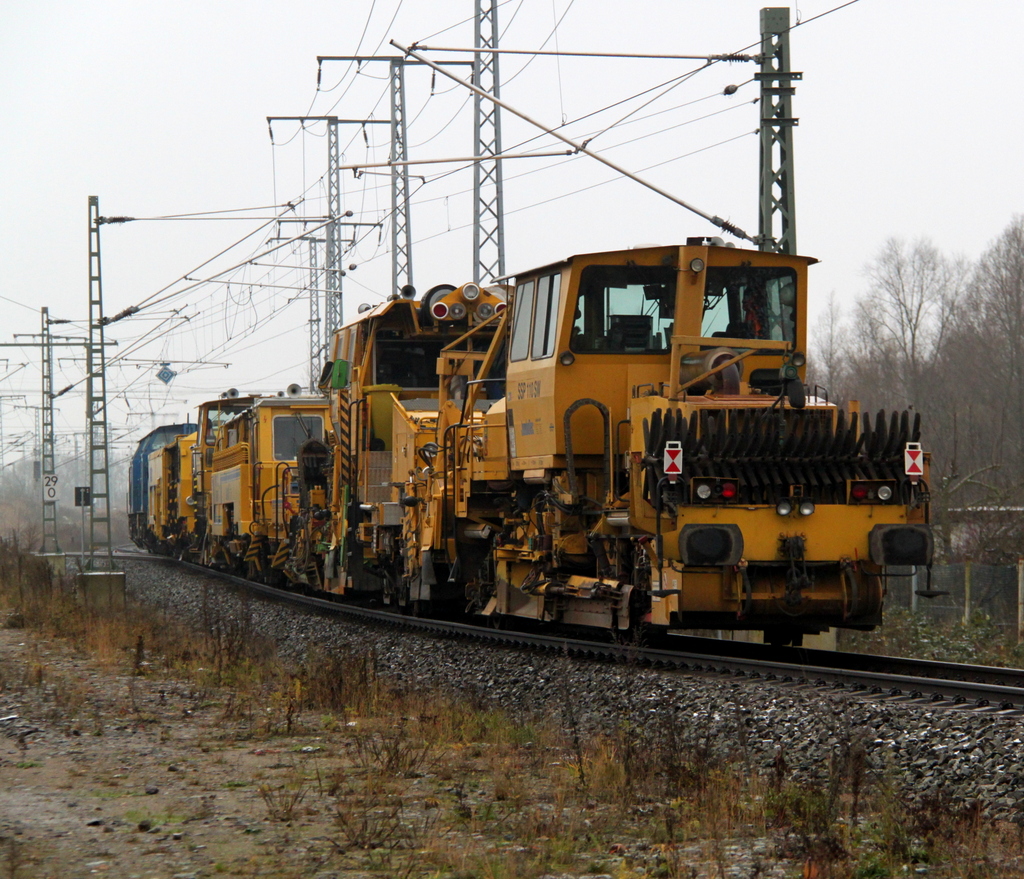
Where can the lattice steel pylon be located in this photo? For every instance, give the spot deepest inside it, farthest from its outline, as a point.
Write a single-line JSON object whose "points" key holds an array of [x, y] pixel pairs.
{"points": [[51, 544], [319, 342], [99, 554], [488, 199], [401, 223], [777, 191], [333, 314]]}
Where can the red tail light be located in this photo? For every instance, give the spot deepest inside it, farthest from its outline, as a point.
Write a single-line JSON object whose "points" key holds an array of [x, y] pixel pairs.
{"points": [[873, 491], [439, 310], [714, 489]]}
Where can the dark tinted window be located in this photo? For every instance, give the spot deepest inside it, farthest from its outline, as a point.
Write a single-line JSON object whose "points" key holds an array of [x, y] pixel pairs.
{"points": [[291, 431], [408, 363]]}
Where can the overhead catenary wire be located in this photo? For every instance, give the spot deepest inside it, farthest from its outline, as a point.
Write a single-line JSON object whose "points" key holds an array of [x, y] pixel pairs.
{"points": [[366, 189], [606, 182], [554, 30], [561, 53], [156, 299], [153, 298], [200, 214], [721, 223], [516, 176], [600, 183], [621, 121]]}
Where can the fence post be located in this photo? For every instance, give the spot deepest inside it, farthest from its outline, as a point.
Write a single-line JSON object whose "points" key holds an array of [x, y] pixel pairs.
{"points": [[967, 591], [1020, 600]]}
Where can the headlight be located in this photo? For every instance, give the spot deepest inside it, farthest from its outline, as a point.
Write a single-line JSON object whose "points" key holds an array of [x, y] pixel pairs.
{"points": [[696, 264], [703, 491], [470, 292], [806, 508], [884, 492], [484, 310], [783, 508], [458, 311]]}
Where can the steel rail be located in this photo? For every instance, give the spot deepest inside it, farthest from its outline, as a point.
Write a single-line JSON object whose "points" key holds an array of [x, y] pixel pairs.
{"points": [[922, 681]]}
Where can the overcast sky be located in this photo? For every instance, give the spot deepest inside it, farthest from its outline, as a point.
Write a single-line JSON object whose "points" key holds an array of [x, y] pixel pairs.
{"points": [[909, 126]]}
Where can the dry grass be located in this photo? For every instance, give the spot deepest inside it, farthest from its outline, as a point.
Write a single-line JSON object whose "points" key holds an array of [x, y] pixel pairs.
{"points": [[408, 783]]}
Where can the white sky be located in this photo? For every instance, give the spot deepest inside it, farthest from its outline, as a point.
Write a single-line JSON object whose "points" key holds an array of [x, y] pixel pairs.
{"points": [[909, 126]]}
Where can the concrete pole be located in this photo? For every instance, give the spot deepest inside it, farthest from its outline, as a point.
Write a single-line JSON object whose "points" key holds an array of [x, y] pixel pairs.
{"points": [[1020, 600], [967, 591]]}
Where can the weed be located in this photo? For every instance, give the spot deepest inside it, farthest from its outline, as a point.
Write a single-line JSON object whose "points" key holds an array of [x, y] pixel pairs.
{"points": [[372, 819], [13, 857], [282, 800], [577, 760], [510, 782], [393, 752]]}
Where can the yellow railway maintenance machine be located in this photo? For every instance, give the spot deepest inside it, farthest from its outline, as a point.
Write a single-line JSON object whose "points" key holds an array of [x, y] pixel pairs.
{"points": [[172, 514], [246, 482], [530, 479], [406, 378]]}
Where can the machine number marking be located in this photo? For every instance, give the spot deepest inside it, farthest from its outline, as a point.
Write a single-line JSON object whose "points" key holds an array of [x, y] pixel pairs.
{"points": [[528, 390]]}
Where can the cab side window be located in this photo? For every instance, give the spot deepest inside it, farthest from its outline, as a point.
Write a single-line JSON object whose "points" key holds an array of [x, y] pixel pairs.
{"points": [[521, 321], [535, 320], [545, 317]]}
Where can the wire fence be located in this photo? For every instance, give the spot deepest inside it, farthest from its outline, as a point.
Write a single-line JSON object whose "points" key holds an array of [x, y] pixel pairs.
{"points": [[965, 589]]}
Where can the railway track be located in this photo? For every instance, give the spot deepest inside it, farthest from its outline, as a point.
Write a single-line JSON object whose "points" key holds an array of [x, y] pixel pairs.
{"points": [[926, 682]]}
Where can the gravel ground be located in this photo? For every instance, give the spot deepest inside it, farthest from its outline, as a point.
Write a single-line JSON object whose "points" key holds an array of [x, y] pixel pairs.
{"points": [[964, 757]]}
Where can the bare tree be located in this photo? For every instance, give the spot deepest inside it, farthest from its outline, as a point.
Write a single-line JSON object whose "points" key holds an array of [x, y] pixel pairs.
{"points": [[911, 304], [992, 358], [946, 338], [829, 351]]}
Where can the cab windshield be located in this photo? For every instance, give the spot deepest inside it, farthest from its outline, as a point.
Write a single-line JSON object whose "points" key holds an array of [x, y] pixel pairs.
{"points": [[625, 310], [750, 302]]}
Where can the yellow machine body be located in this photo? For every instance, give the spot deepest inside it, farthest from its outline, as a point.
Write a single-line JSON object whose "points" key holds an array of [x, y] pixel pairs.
{"points": [[246, 479], [171, 505]]}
